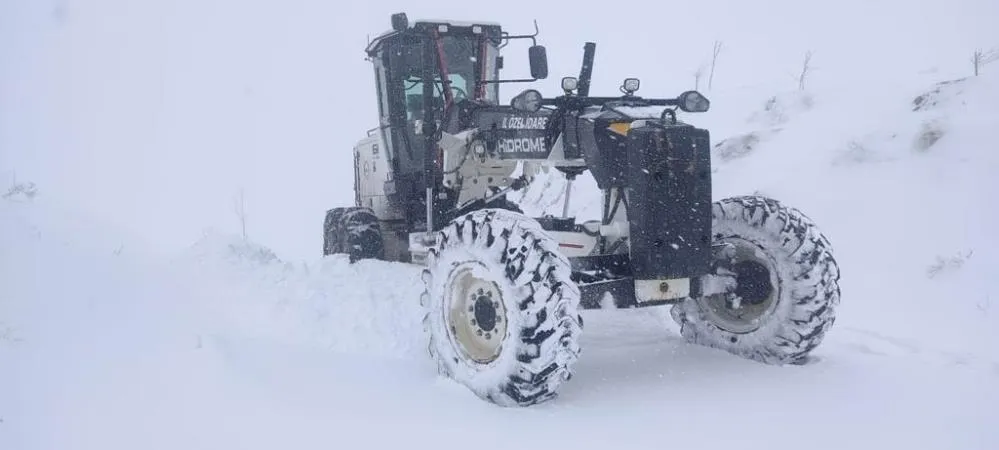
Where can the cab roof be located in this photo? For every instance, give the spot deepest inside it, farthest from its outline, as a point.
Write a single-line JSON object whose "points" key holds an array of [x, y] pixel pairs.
{"points": [[419, 27]]}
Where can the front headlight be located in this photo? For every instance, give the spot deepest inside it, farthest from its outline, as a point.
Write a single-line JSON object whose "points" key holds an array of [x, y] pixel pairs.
{"points": [[570, 84], [479, 148], [693, 101], [630, 85], [529, 101]]}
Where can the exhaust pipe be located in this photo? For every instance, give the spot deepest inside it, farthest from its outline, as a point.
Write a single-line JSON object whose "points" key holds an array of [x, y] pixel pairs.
{"points": [[586, 72]]}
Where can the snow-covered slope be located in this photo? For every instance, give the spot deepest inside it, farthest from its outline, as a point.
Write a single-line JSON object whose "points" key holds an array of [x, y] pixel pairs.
{"points": [[156, 115], [106, 346], [900, 178]]}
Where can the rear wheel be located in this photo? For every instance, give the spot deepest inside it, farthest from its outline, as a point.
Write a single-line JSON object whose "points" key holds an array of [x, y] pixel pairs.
{"points": [[331, 232], [502, 313], [783, 284], [354, 231]]}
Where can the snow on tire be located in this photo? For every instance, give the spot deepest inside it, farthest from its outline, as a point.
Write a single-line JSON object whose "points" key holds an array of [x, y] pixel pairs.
{"points": [[354, 231], [787, 285], [362, 234], [502, 312], [331, 233]]}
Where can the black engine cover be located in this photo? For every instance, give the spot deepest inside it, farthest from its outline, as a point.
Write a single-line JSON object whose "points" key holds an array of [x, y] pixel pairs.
{"points": [[669, 201]]}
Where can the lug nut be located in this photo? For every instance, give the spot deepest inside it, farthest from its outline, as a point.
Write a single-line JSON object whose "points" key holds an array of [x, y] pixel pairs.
{"points": [[488, 336], [478, 332]]}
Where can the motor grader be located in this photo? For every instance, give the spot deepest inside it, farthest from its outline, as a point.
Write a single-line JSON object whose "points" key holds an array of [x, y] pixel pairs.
{"points": [[503, 291]]}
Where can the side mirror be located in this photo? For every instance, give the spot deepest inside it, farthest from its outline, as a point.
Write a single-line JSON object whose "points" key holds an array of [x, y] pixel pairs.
{"points": [[539, 61], [693, 101]]}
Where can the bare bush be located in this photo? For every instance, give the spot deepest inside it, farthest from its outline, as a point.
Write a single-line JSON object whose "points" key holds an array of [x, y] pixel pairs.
{"points": [[714, 61], [698, 74], [17, 189], [239, 207], [930, 132], [985, 305], [980, 58], [7, 334], [939, 95], [856, 152], [953, 262], [738, 146], [806, 67]]}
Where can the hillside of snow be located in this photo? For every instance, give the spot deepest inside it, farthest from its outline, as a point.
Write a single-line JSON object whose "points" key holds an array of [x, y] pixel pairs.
{"points": [[900, 184], [157, 116], [134, 315]]}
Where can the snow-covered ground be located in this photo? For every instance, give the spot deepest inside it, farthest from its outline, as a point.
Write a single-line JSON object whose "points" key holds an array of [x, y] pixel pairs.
{"points": [[112, 338], [104, 345]]}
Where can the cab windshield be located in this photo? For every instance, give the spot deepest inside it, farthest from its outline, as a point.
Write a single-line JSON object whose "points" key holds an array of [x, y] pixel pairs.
{"points": [[467, 60]]}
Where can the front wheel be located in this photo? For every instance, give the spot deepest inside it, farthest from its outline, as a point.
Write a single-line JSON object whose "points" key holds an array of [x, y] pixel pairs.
{"points": [[502, 312], [783, 284]]}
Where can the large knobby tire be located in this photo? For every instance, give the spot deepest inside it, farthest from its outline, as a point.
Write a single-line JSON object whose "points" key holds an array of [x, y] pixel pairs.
{"points": [[354, 231], [506, 204], [502, 312], [331, 232], [787, 285], [363, 234]]}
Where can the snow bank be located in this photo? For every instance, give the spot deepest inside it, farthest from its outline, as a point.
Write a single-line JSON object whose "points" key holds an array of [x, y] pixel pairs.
{"points": [[81, 306], [104, 345], [230, 347], [369, 308]]}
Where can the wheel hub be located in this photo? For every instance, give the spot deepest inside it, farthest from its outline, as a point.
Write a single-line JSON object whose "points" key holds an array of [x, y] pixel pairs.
{"points": [[755, 293], [476, 315], [752, 282], [485, 312]]}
